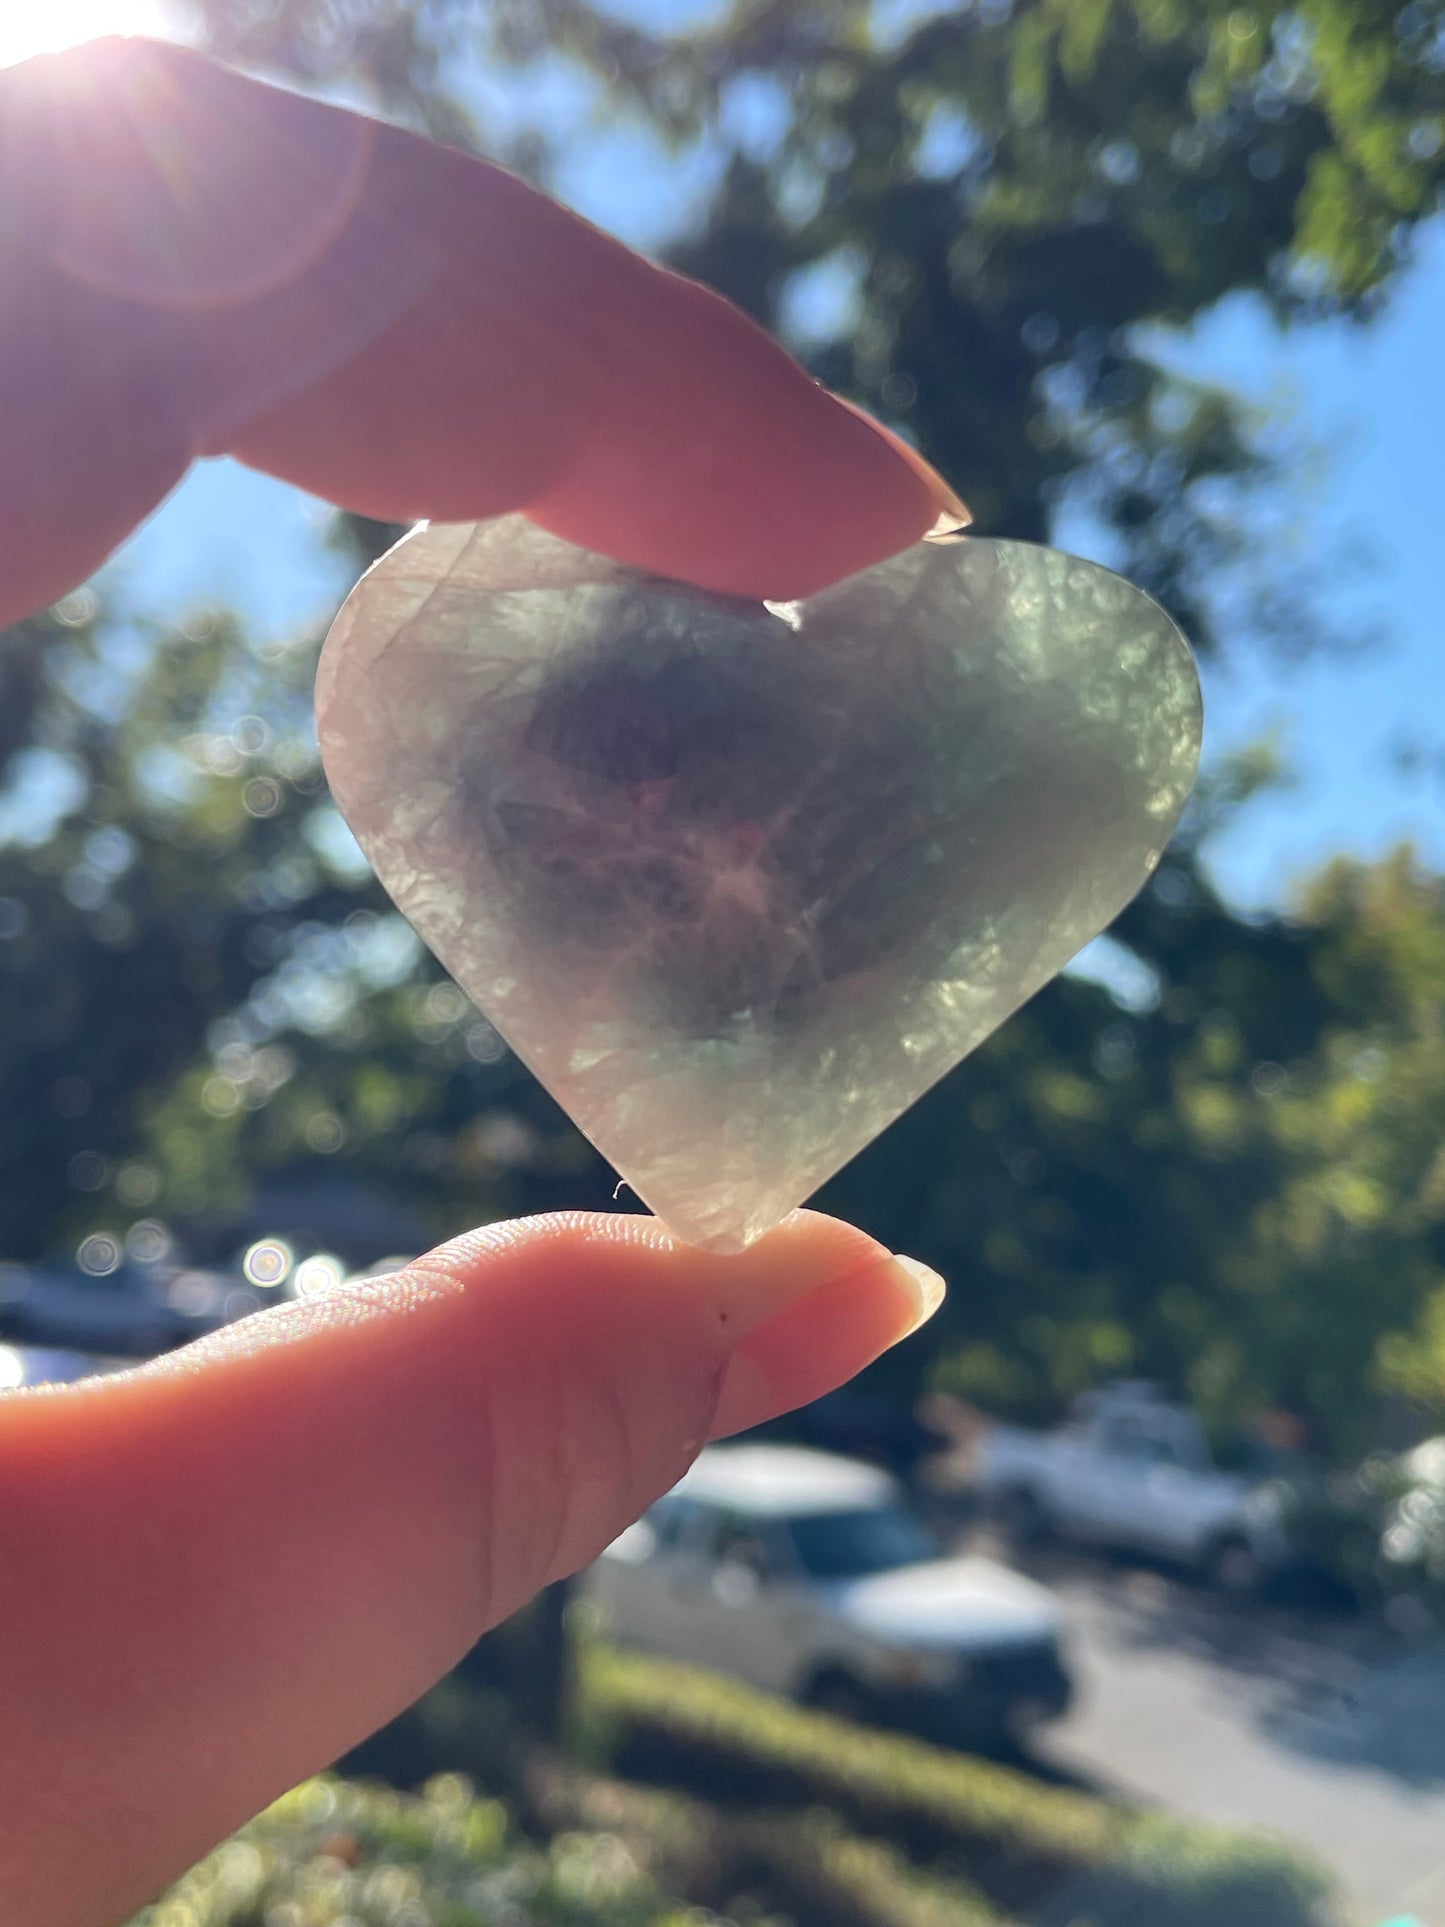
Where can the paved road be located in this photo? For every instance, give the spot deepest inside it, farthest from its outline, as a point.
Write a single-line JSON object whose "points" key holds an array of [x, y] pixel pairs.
{"points": [[1255, 1717]]}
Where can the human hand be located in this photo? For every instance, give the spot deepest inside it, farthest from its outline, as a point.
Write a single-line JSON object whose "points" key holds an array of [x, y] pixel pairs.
{"points": [[223, 1569]]}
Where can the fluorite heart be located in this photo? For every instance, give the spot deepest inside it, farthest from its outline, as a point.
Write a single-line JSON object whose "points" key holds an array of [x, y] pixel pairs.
{"points": [[739, 881]]}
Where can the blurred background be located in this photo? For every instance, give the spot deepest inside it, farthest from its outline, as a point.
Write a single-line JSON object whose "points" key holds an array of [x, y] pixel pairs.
{"points": [[1160, 281]]}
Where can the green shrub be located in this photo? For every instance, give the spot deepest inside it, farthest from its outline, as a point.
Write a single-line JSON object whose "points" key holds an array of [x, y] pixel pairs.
{"points": [[824, 1873], [769, 1814], [334, 1852], [1040, 1853], [805, 1864]]}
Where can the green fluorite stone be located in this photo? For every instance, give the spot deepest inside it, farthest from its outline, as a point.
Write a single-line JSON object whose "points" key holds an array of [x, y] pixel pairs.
{"points": [[740, 881]]}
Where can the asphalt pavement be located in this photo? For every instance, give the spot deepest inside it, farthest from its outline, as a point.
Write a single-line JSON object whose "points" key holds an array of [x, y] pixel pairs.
{"points": [[1322, 1730]]}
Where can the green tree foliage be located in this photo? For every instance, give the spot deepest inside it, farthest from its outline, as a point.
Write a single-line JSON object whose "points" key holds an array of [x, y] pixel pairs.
{"points": [[201, 982], [1358, 1227], [1234, 1186]]}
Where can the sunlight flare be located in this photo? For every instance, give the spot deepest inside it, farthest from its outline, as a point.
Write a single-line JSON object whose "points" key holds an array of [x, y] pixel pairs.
{"points": [[27, 31]]}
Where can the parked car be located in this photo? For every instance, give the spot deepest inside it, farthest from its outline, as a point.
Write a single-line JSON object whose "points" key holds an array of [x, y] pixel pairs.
{"points": [[809, 1575], [1131, 1470]]}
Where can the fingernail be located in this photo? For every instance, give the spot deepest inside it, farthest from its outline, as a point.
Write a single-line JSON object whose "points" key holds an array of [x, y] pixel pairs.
{"points": [[925, 1284], [951, 525], [822, 1340], [954, 514]]}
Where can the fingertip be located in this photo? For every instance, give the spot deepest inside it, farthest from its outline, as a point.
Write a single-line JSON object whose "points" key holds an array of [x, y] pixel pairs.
{"points": [[717, 460], [794, 1316], [951, 514], [798, 1313], [823, 1339]]}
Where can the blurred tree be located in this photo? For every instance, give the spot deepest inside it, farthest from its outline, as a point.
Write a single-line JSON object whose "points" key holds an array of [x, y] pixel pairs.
{"points": [[1356, 1233], [981, 219], [1233, 1185], [201, 982]]}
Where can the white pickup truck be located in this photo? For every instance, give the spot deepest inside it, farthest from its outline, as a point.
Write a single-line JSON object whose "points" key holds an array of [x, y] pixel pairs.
{"points": [[1131, 1470]]}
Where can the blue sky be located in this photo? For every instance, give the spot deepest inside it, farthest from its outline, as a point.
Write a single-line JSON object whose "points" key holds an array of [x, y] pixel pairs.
{"points": [[1372, 400]]}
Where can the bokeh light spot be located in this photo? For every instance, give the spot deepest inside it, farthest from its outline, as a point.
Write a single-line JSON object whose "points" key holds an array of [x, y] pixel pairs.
{"points": [[261, 796], [99, 1255], [316, 1276], [267, 1262], [148, 1242]]}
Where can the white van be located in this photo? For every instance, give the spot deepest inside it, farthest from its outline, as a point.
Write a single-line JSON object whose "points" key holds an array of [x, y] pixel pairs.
{"points": [[809, 1575]]}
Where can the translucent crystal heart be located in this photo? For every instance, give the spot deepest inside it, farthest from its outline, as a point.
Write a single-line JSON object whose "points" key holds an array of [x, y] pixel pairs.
{"points": [[740, 881]]}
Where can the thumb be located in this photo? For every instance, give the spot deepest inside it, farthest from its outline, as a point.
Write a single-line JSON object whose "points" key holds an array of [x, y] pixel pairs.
{"points": [[226, 1568]]}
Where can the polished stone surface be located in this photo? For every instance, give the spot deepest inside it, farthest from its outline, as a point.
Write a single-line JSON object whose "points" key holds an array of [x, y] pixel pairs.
{"points": [[739, 882]]}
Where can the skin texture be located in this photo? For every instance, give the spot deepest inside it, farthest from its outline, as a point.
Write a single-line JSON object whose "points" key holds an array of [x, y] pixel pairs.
{"points": [[220, 1571]]}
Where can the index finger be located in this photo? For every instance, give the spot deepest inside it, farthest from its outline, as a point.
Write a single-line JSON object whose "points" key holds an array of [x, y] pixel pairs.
{"points": [[194, 263]]}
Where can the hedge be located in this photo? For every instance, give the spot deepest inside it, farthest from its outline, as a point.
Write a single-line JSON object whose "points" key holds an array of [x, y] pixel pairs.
{"points": [[806, 1863], [765, 1813], [1043, 1854], [335, 1852]]}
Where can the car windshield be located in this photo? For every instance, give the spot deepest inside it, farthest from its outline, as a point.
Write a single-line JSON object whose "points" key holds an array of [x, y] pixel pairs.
{"points": [[850, 1545]]}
